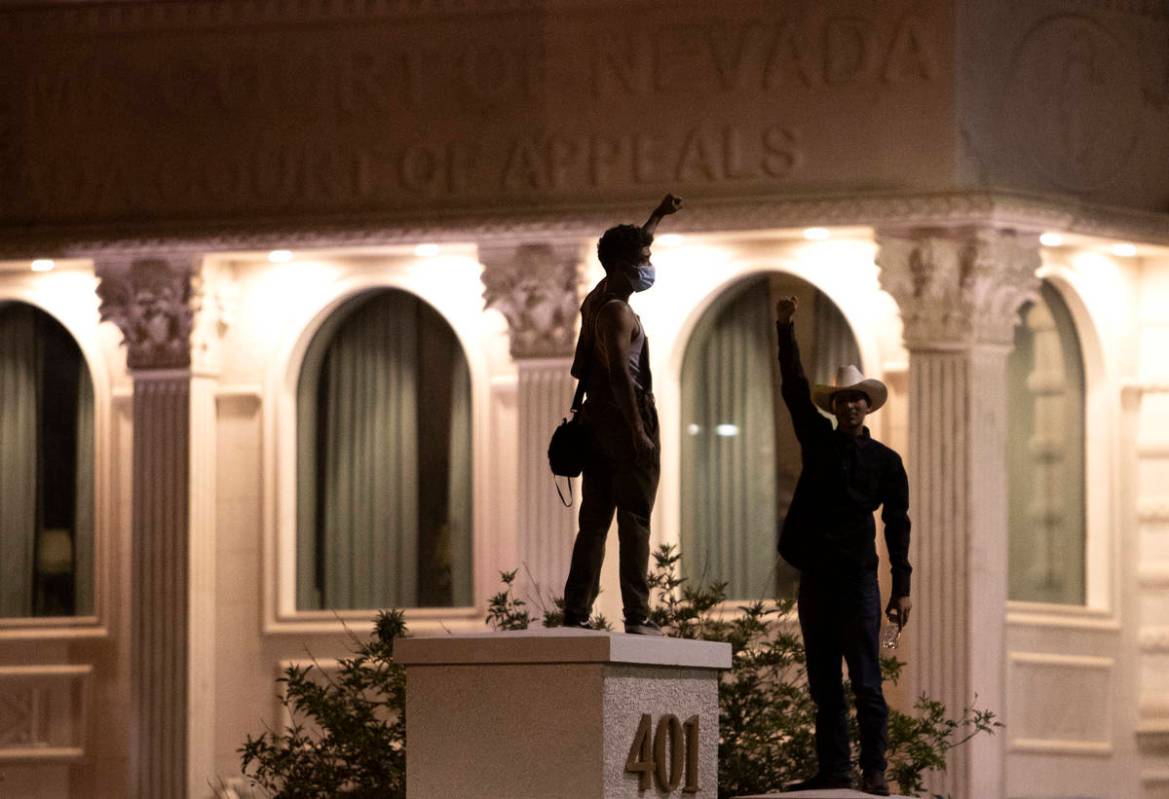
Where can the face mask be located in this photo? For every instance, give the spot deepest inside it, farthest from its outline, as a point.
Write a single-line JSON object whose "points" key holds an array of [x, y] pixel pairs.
{"points": [[644, 277]]}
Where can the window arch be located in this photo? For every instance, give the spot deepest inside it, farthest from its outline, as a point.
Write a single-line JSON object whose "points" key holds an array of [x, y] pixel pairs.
{"points": [[1045, 460], [384, 459], [46, 468], [739, 454]]}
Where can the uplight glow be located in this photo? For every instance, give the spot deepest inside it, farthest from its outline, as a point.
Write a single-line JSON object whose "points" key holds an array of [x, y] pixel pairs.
{"points": [[1124, 249], [279, 256], [43, 265], [816, 233], [1051, 240], [669, 239], [426, 250]]}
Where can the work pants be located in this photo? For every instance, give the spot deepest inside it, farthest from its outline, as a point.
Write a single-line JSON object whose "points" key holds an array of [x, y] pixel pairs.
{"points": [[840, 618], [615, 481]]}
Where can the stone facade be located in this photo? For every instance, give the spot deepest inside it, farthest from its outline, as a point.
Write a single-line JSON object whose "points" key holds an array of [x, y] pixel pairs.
{"points": [[147, 147]]}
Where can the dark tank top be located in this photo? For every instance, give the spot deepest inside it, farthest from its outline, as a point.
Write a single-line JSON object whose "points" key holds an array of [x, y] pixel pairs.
{"points": [[590, 364]]}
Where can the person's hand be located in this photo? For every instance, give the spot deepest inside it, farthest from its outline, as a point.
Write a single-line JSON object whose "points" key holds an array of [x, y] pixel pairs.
{"points": [[669, 205], [643, 446], [785, 308], [897, 611]]}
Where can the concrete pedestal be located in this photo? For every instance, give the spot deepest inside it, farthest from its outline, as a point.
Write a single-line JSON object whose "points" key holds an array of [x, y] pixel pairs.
{"points": [[544, 714], [836, 793]]}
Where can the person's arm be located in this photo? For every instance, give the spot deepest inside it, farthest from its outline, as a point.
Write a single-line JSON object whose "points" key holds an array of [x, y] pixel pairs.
{"points": [[895, 515], [796, 391], [669, 205], [616, 325]]}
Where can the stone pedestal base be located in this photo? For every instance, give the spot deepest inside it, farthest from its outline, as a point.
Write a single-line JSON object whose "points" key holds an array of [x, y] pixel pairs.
{"points": [[543, 714], [836, 793]]}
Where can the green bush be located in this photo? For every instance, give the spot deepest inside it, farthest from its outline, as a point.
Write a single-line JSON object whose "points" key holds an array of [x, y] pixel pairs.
{"points": [[348, 732]]}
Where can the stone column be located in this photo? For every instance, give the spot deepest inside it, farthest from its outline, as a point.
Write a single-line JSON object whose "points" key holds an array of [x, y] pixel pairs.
{"points": [[959, 291], [171, 354], [535, 287]]}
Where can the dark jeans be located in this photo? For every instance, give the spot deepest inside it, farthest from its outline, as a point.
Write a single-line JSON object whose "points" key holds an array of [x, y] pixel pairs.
{"points": [[840, 617], [614, 481]]}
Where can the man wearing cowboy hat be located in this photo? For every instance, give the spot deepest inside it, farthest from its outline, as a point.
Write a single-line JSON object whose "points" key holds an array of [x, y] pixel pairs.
{"points": [[829, 535]]}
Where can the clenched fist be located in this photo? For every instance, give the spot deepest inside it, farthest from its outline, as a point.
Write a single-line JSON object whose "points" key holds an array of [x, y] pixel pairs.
{"points": [[785, 308]]}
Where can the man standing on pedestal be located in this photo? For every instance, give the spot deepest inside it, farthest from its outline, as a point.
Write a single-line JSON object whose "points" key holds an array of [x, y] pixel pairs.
{"points": [[623, 465], [829, 535]]}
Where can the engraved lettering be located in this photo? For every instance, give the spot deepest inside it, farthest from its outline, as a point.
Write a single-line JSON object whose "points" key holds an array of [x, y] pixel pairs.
{"points": [[525, 167], [418, 169], [728, 50], [733, 166], [603, 153], [647, 164], [621, 59], [563, 155], [788, 59], [670, 52], [781, 156], [488, 72], [848, 50], [909, 55], [695, 161]]}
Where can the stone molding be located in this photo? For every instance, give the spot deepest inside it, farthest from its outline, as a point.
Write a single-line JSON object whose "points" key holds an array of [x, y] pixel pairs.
{"points": [[959, 286], [535, 287], [214, 304], [133, 15], [1014, 210], [150, 300]]}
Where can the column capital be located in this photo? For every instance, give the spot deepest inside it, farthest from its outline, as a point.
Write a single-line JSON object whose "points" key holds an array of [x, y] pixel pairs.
{"points": [[149, 299], [958, 286], [534, 285]]}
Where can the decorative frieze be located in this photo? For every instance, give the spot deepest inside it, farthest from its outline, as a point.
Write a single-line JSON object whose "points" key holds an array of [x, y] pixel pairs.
{"points": [[149, 299], [535, 287], [959, 286]]}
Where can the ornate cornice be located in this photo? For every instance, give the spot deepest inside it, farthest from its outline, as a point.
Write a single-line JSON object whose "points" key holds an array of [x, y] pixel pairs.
{"points": [[1019, 211], [150, 300], [119, 16], [960, 286], [534, 287]]}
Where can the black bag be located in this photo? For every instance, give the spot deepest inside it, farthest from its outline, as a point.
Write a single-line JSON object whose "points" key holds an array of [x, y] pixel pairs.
{"points": [[569, 445]]}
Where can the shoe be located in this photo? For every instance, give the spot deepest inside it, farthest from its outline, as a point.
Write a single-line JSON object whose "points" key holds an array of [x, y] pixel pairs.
{"points": [[576, 623], [874, 782], [642, 626], [820, 782]]}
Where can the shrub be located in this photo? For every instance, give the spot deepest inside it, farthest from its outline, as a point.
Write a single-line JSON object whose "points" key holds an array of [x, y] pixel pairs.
{"points": [[347, 737], [348, 732]]}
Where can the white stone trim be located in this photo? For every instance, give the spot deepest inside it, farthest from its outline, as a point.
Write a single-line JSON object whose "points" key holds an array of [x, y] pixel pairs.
{"points": [[1028, 211], [1079, 747], [62, 302], [280, 615], [1102, 445], [48, 674]]}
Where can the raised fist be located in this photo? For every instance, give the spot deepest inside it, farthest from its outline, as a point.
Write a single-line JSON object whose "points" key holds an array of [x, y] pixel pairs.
{"points": [[786, 307], [669, 204]]}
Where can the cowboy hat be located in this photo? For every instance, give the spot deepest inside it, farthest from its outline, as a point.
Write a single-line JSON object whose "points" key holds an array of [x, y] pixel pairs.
{"points": [[849, 378]]}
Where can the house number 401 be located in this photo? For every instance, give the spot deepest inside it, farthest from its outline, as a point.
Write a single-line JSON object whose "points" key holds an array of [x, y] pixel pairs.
{"points": [[665, 754]]}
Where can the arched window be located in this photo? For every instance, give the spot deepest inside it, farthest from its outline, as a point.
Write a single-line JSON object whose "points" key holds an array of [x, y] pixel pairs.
{"points": [[1045, 431], [46, 468], [740, 457], [384, 460]]}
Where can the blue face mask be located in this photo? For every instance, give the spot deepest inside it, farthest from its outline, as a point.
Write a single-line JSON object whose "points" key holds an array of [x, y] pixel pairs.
{"points": [[644, 277]]}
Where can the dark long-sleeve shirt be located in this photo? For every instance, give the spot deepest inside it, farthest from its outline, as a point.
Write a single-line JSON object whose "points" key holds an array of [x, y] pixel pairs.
{"points": [[845, 478]]}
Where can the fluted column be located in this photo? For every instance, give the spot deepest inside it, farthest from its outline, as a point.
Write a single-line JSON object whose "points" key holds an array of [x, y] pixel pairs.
{"points": [[535, 287], [170, 325], [959, 292]]}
